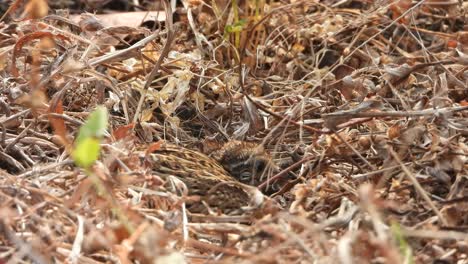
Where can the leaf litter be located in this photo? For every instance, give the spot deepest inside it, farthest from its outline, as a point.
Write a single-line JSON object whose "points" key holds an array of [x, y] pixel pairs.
{"points": [[362, 105]]}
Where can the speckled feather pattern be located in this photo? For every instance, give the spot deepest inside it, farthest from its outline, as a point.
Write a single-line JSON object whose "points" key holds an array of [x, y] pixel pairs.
{"points": [[203, 176], [192, 167], [239, 157]]}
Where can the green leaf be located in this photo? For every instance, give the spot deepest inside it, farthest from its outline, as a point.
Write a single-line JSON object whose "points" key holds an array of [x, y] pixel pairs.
{"points": [[95, 126], [228, 28], [405, 248], [236, 27], [87, 144], [241, 23], [86, 152]]}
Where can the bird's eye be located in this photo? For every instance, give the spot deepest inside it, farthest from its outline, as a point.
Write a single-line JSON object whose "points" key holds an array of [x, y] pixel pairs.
{"points": [[245, 176]]}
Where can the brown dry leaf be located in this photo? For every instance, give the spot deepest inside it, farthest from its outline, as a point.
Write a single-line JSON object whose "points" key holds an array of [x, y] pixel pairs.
{"points": [[147, 115], [251, 115], [153, 147], [123, 131], [440, 98], [459, 162], [89, 23], [399, 7], [3, 60], [128, 19], [352, 89], [412, 135], [46, 44], [150, 244], [36, 9], [37, 101], [80, 190], [99, 239], [456, 215], [7, 215], [438, 174], [394, 131], [199, 99], [58, 124], [364, 142], [175, 92]]}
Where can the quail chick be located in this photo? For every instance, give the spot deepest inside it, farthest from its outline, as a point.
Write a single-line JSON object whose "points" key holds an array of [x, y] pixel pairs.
{"points": [[248, 162], [219, 179]]}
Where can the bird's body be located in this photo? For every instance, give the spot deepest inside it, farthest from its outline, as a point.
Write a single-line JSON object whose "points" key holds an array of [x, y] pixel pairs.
{"points": [[210, 177], [198, 171]]}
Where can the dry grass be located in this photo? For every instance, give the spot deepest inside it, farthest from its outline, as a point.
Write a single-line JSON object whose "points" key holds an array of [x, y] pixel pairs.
{"points": [[363, 101]]}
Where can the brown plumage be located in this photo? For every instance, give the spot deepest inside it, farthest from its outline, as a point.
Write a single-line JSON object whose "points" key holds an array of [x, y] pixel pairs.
{"points": [[215, 177], [248, 162]]}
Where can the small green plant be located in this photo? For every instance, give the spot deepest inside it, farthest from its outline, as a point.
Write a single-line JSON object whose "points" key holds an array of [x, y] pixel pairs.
{"points": [[405, 249], [87, 144], [237, 26], [86, 152]]}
